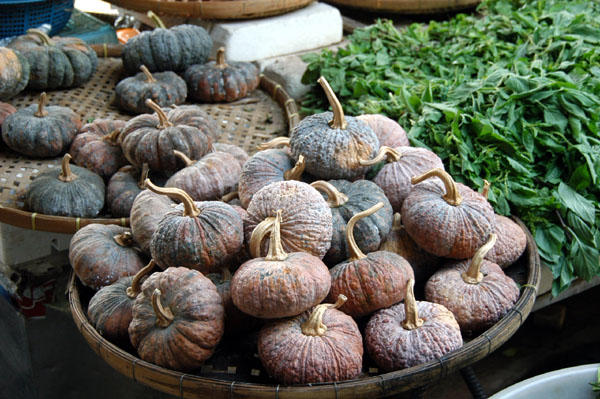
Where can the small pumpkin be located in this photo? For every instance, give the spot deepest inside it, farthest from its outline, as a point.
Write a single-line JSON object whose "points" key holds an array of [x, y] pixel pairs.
{"points": [[5, 110], [55, 63], [164, 88], [152, 138], [388, 131], [14, 73], [333, 144], [218, 81], [123, 187], [197, 235], [475, 290], [397, 338], [451, 220], [66, 191], [280, 284], [147, 210], [177, 319], [101, 254], [238, 152], [320, 345], [370, 282], [41, 131], [109, 309], [96, 147]]}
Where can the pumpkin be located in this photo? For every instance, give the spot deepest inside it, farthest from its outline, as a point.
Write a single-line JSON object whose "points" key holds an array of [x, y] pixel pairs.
{"points": [[5, 110], [109, 310], [280, 284], [193, 115], [209, 178], [152, 138], [388, 131], [162, 49], [101, 254], [96, 147], [217, 81], [409, 334], [164, 88], [446, 220], [370, 282], [177, 319], [346, 199], [197, 235], [147, 210], [321, 345], [55, 63], [306, 220], [475, 290], [66, 191], [123, 187], [41, 131], [333, 144], [264, 168], [14, 73], [238, 152]]}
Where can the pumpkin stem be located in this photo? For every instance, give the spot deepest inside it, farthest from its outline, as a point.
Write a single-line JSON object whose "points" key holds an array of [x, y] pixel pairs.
{"points": [[124, 239], [112, 138], [338, 121], [276, 252], [221, 58], [452, 196], [296, 172], [473, 274], [143, 175], [41, 112], [314, 326], [184, 158], [412, 320], [136, 283], [284, 141], [65, 174], [226, 274], [389, 154], [230, 196], [157, 21], [335, 198], [258, 235], [164, 316], [397, 223], [190, 209], [46, 41], [355, 252], [149, 77], [486, 188], [162, 117]]}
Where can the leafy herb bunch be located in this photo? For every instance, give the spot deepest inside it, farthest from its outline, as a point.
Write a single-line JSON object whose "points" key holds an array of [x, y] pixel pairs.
{"points": [[511, 95]]}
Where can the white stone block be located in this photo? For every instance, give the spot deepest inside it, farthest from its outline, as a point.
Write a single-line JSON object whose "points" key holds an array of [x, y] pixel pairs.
{"points": [[287, 71], [314, 26], [19, 245]]}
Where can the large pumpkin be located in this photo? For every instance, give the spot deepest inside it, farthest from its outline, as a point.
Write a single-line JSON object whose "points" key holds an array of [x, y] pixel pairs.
{"points": [[123, 187], [14, 73], [147, 210]]}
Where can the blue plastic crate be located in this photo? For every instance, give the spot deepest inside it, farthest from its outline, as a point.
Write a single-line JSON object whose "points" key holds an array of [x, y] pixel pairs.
{"points": [[18, 16]]}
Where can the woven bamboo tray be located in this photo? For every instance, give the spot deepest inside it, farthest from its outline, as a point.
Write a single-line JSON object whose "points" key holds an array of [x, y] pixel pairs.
{"points": [[408, 6], [235, 371], [263, 115]]}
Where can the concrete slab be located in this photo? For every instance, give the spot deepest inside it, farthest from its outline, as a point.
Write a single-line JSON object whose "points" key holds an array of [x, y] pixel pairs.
{"points": [[19, 245]]}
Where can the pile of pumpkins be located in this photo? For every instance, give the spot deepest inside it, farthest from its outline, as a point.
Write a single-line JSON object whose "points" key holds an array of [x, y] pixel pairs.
{"points": [[296, 242]]}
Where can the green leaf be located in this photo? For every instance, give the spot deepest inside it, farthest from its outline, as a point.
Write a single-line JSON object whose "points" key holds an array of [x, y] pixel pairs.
{"points": [[577, 203], [550, 240], [554, 117], [580, 178], [585, 260]]}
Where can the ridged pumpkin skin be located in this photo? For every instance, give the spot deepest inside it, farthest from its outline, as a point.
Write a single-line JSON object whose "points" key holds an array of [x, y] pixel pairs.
{"points": [[195, 116], [14, 73], [122, 189], [173, 49], [5, 110], [510, 245], [238, 152], [388, 131], [98, 259], [147, 210], [109, 311], [197, 325], [166, 89]]}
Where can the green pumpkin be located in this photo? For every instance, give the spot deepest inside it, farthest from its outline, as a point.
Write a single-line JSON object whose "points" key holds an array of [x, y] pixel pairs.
{"points": [[14, 73]]}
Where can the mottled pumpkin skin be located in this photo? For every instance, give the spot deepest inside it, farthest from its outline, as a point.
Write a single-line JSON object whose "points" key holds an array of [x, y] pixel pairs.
{"points": [[197, 326], [43, 136], [393, 347], [210, 83], [475, 306], [262, 169], [394, 178], [238, 152], [123, 187], [443, 229], [147, 210], [368, 231], [202, 243], [333, 153], [168, 89], [173, 49], [510, 245], [143, 142], [372, 283], [209, 178], [68, 62], [98, 260], [306, 219], [192, 115], [388, 131], [14, 73], [82, 197], [5, 110], [291, 357]]}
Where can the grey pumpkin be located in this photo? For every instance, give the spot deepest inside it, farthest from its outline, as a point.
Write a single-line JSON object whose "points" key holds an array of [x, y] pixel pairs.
{"points": [[68, 191], [14, 73]]}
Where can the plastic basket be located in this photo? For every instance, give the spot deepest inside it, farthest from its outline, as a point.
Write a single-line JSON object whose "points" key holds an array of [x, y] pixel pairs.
{"points": [[89, 29], [18, 16]]}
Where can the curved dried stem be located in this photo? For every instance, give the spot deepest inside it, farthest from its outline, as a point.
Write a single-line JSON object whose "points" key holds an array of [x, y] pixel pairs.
{"points": [[136, 284], [397, 223], [112, 138], [335, 198], [41, 112], [46, 41], [277, 141], [164, 316], [230, 196], [65, 169], [452, 196], [355, 252], [486, 188], [314, 326], [221, 58], [258, 235], [149, 77], [162, 117], [190, 208], [186, 160], [276, 252], [412, 321], [473, 275], [296, 172], [157, 21], [143, 176], [338, 121], [124, 239], [386, 153]]}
